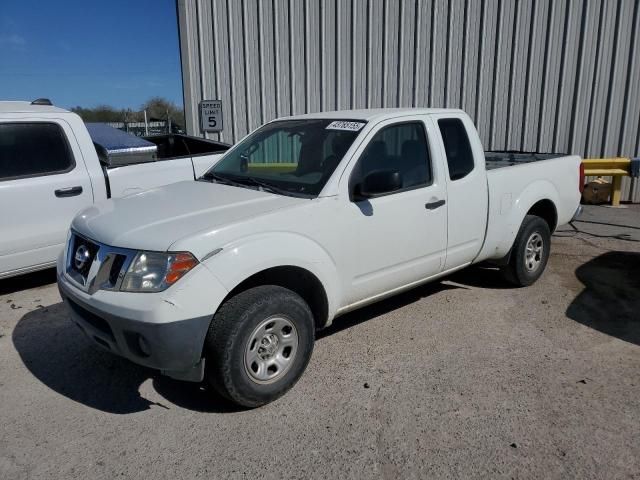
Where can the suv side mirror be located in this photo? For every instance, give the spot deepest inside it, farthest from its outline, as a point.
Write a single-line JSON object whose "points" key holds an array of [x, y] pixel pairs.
{"points": [[378, 183]]}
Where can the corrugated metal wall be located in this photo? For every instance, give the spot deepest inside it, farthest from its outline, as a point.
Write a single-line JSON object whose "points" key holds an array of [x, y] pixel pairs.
{"points": [[536, 75]]}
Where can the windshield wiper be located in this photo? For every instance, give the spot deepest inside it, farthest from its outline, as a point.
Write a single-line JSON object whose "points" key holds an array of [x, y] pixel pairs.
{"points": [[245, 182], [220, 179], [267, 187]]}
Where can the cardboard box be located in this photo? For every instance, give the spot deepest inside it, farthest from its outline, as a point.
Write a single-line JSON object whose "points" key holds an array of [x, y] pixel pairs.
{"points": [[597, 191]]}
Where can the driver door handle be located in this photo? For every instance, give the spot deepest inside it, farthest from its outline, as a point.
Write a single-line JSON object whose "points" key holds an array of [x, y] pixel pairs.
{"points": [[434, 205], [68, 192]]}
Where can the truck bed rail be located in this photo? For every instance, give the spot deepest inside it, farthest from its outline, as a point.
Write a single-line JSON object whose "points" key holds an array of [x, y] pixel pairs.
{"points": [[507, 158]]}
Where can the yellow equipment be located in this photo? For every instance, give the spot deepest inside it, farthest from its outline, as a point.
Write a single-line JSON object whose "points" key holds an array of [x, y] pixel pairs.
{"points": [[617, 168]]}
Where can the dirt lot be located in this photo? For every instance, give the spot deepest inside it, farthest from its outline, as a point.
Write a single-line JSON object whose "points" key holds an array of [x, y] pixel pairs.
{"points": [[462, 378]]}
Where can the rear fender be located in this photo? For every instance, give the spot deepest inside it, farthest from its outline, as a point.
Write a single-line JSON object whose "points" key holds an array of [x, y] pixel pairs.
{"points": [[507, 224]]}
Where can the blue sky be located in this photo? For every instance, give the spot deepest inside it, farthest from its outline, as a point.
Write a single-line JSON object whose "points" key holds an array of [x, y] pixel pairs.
{"points": [[89, 52]]}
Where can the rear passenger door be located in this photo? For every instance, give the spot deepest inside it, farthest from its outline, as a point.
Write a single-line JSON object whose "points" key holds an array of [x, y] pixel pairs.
{"points": [[43, 184], [398, 238], [467, 191]]}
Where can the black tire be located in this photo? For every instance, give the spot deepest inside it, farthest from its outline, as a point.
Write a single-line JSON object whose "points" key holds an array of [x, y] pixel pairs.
{"points": [[521, 272], [228, 339]]}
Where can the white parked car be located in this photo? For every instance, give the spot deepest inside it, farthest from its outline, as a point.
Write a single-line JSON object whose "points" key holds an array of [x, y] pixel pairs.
{"points": [[228, 278], [51, 168]]}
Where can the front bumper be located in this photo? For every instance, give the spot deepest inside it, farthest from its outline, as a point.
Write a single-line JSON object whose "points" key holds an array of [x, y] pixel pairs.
{"points": [[164, 330]]}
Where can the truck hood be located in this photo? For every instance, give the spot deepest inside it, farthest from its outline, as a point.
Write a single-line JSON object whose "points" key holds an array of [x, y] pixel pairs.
{"points": [[154, 219]]}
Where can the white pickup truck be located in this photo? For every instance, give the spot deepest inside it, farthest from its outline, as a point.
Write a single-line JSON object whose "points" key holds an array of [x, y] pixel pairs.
{"points": [[227, 279], [51, 168]]}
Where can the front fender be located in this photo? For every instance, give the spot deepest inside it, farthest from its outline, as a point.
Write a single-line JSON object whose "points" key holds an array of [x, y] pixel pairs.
{"points": [[247, 256]]}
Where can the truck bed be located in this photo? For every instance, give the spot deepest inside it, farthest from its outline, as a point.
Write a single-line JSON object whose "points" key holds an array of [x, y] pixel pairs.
{"points": [[500, 159], [513, 189]]}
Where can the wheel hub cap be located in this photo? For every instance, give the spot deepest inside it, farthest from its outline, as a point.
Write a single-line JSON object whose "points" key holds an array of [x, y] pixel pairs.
{"points": [[268, 346], [533, 253], [271, 349]]}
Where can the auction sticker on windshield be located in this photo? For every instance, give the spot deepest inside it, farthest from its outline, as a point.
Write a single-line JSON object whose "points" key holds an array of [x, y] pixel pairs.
{"points": [[343, 125]]}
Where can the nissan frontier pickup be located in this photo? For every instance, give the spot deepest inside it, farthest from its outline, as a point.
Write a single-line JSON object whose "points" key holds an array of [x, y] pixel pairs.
{"points": [[227, 279]]}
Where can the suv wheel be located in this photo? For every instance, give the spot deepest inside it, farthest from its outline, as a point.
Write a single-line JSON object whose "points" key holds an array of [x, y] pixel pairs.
{"points": [[258, 345], [530, 252]]}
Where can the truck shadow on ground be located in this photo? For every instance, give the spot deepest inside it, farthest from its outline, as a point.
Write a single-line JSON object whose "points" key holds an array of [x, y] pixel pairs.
{"points": [[383, 307], [610, 301], [27, 281], [58, 354], [481, 276]]}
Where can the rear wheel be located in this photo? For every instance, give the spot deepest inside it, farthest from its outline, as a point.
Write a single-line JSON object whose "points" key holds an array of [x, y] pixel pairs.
{"points": [[530, 252], [258, 345]]}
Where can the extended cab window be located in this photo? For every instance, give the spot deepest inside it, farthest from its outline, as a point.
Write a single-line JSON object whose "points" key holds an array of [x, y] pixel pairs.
{"points": [[401, 147], [33, 149], [457, 147]]}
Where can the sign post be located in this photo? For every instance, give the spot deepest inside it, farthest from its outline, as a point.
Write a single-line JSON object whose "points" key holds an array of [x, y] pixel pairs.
{"points": [[210, 115]]}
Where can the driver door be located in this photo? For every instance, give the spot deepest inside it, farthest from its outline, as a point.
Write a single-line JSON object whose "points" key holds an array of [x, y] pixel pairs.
{"points": [[400, 237]]}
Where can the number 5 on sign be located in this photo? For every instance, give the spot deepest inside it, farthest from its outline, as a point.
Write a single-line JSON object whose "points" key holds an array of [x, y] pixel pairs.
{"points": [[211, 115]]}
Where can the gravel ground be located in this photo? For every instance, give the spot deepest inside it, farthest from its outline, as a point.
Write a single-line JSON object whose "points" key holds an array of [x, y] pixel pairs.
{"points": [[461, 378]]}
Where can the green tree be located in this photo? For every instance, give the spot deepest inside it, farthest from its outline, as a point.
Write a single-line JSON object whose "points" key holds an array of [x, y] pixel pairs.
{"points": [[158, 107], [101, 113]]}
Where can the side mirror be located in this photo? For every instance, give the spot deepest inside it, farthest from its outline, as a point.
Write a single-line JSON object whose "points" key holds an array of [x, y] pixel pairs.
{"points": [[378, 183]]}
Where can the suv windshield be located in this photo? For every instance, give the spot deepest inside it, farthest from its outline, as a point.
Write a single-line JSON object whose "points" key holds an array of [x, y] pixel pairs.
{"points": [[290, 157]]}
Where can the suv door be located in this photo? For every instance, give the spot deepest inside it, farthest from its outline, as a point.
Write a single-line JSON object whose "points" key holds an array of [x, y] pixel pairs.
{"points": [[399, 237], [43, 184]]}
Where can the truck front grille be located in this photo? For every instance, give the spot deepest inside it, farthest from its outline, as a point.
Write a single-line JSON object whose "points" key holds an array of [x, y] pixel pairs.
{"points": [[84, 253], [94, 266], [116, 268]]}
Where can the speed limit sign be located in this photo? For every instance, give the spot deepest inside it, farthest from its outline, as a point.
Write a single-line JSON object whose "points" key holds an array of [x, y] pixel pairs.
{"points": [[211, 115]]}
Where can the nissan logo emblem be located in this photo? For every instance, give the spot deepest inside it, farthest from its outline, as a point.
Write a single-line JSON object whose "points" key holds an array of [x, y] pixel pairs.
{"points": [[81, 257]]}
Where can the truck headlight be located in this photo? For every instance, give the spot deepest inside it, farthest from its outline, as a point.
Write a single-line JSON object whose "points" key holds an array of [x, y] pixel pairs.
{"points": [[155, 271]]}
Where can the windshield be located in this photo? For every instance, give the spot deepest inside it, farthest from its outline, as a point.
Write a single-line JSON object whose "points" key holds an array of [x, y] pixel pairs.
{"points": [[290, 157]]}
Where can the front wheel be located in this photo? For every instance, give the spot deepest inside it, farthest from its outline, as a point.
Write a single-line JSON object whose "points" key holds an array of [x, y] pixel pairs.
{"points": [[258, 345], [530, 252]]}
